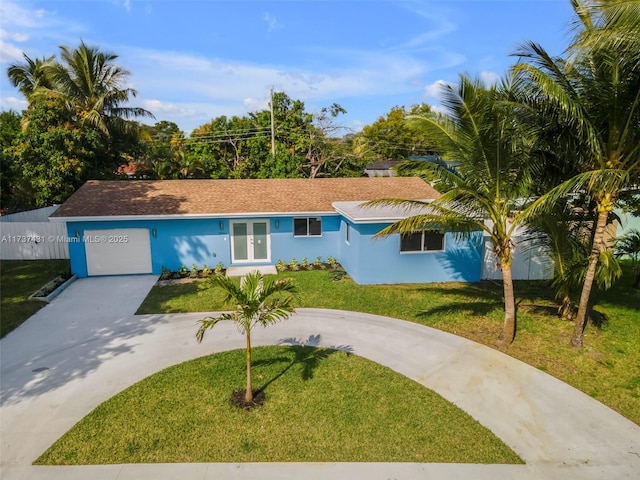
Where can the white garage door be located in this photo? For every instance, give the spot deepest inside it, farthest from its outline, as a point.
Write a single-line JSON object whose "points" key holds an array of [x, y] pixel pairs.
{"points": [[118, 252]]}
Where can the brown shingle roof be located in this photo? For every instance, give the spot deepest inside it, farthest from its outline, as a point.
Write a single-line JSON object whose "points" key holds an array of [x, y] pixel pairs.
{"points": [[216, 197]]}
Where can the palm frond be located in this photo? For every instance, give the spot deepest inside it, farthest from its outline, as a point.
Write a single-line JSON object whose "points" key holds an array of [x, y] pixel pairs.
{"points": [[207, 323]]}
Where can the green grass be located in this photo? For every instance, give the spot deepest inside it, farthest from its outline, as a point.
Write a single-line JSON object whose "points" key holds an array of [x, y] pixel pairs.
{"points": [[607, 368], [18, 280], [322, 406]]}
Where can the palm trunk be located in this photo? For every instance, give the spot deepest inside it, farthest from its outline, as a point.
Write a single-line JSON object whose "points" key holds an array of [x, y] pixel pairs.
{"points": [[248, 394], [581, 317], [508, 333]]}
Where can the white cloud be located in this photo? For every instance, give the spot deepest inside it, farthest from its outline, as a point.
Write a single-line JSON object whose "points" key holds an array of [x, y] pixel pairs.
{"points": [[9, 53], [34, 28], [255, 104], [433, 90], [216, 79], [12, 103], [16, 37], [209, 87], [14, 15], [438, 25], [160, 109], [489, 78], [438, 109], [126, 4], [272, 22]]}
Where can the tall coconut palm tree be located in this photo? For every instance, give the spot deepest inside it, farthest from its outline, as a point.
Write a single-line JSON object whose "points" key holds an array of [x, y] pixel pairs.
{"points": [[30, 75], [491, 179], [92, 86], [259, 301], [596, 96]]}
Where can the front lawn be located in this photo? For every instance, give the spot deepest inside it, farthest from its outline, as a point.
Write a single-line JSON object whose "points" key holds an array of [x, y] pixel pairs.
{"points": [[607, 368], [321, 406], [18, 280]]}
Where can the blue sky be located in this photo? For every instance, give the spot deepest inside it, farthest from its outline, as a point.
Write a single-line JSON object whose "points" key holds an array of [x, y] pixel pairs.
{"points": [[192, 61]]}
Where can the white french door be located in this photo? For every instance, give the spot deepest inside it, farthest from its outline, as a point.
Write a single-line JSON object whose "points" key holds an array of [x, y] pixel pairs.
{"points": [[250, 241]]}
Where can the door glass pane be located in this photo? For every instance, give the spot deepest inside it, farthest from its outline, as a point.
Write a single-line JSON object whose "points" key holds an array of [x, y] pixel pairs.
{"points": [[260, 241], [240, 241]]}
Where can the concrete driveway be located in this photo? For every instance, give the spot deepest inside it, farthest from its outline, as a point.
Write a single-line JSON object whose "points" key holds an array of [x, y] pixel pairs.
{"points": [[88, 345]]}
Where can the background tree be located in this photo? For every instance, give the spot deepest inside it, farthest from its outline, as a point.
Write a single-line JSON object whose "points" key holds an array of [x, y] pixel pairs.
{"points": [[596, 100], [489, 182], [156, 140], [392, 138], [568, 236], [11, 181], [91, 86], [77, 125], [53, 156], [240, 147], [259, 301], [628, 245]]}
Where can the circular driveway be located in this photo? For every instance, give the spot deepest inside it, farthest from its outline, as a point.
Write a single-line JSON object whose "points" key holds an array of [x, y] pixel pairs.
{"points": [[88, 345]]}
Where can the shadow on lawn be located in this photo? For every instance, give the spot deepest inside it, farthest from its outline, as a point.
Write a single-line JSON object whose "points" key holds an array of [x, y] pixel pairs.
{"points": [[306, 353], [532, 296], [479, 298]]}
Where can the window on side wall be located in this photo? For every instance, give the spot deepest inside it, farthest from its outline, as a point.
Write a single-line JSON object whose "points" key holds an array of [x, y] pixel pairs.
{"points": [[347, 233], [307, 227], [424, 241]]}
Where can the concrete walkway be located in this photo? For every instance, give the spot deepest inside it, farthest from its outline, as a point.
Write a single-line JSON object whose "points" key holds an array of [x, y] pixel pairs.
{"points": [[88, 345]]}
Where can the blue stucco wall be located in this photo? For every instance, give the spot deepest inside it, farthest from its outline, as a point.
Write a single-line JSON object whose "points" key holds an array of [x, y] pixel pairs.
{"points": [[176, 242], [202, 241], [378, 261], [367, 260], [284, 246]]}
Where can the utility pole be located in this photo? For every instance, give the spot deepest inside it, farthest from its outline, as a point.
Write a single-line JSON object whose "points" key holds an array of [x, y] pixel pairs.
{"points": [[273, 129]]}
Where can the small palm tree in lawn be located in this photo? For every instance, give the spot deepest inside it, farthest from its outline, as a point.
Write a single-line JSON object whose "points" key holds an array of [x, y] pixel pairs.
{"points": [[491, 178], [596, 96], [259, 300]]}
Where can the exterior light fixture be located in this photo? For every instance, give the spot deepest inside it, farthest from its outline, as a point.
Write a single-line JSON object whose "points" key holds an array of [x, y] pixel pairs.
{"points": [[154, 233]]}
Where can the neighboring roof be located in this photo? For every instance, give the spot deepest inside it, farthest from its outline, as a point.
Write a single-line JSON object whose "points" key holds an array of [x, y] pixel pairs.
{"points": [[356, 213], [216, 198]]}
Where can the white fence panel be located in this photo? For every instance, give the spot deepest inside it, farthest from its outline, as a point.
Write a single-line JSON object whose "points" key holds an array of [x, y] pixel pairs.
{"points": [[33, 240], [528, 263], [37, 215]]}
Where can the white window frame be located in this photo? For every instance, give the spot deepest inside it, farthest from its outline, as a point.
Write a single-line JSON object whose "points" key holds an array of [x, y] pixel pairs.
{"points": [[347, 233], [308, 234], [422, 243]]}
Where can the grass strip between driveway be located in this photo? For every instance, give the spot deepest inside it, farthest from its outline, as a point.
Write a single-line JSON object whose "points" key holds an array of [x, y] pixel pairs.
{"points": [[322, 406]]}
